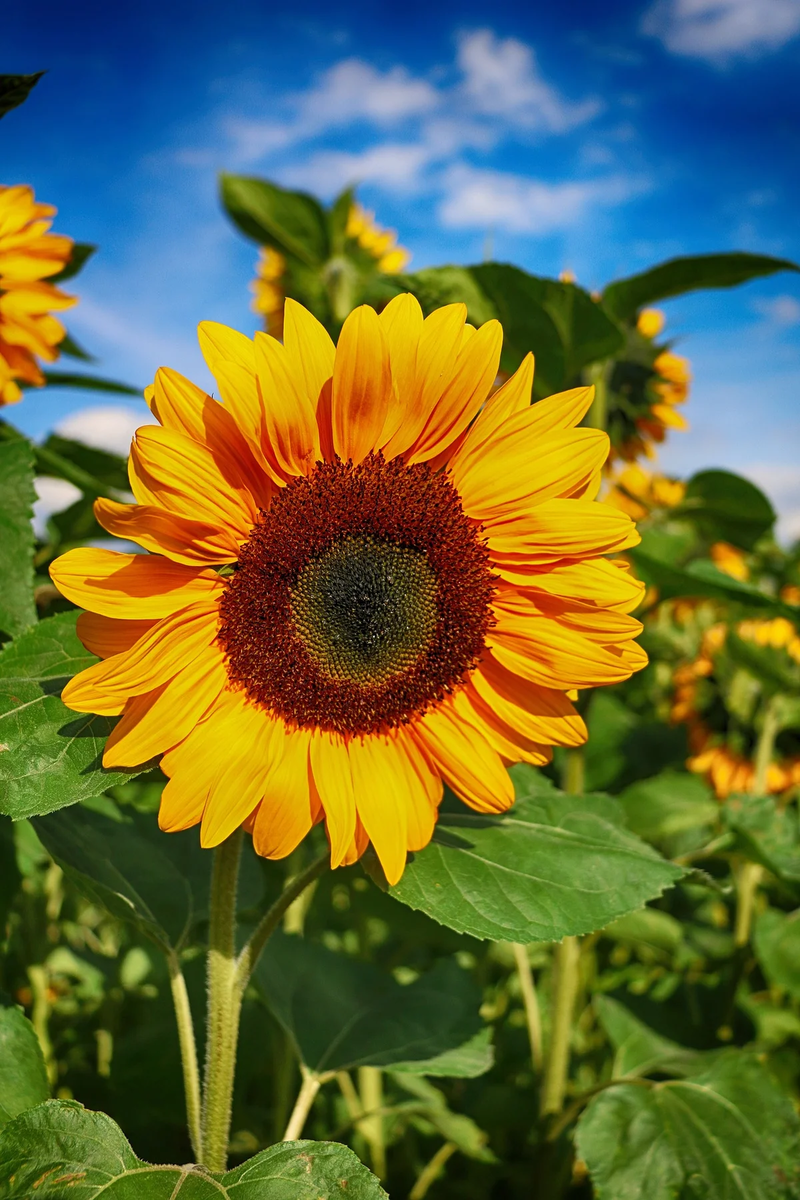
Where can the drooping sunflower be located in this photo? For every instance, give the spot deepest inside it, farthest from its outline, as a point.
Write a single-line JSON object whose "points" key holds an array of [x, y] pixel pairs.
{"points": [[366, 575], [363, 236], [721, 702], [28, 255]]}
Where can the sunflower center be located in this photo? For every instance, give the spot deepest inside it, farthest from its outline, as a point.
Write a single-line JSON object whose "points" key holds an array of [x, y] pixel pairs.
{"points": [[361, 598], [365, 609]]}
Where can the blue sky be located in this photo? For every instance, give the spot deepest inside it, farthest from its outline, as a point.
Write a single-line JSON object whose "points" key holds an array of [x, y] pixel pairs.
{"points": [[602, 138]]}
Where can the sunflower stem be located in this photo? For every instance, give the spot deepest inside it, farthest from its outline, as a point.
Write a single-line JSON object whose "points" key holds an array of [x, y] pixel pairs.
{"points": [[432, 1170], [370, 1084], [305, 1098], [566, 957], [749, 874], [597, 416], [191, 1070], [531, 1002], [224, 1005], [251, 952]]}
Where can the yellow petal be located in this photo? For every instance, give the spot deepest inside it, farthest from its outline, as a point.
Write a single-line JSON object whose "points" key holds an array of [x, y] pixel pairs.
{"points": [[292, 438], [560, 529], [440, 341], [245, 740], [287, 811], [105, 636], [132, 586], [512, 398], [541, 714], [310, 352], [362, 385], [380, 786], [607, 584], [194, 543], [401, 321], [330, 764], [466, 760]]}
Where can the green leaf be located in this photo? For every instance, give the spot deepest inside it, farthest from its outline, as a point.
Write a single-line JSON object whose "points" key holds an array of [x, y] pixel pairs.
{"points": [[23, 1077], [51, 756], [727, 508], [667, 804], [728, 1134], [293, 222], [439, 1118], [156, 881], [17, 609], [555, 865], [62, 1151], [475, 1057], [73, 349], [342, 1013], [10, 877], [81, 253], [765, 833], [527, 325], [436, 286], [91, 383], [772, 666], [700, 578], [679, 275], [639, 1050], [15, 89], [107, 469], [650, 927], [585, 330], [777, 946]]}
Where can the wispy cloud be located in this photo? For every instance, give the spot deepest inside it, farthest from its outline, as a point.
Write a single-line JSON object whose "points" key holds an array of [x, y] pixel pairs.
{"points": [[518, 204], [719, 30], [783, 311]]}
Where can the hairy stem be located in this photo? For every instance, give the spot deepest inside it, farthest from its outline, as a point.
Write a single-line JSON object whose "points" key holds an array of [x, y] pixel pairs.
{"points": [[272, 918], [531, 1002], [191, 1070], [431, 1171], [566, 957], [224, 1005], [305, 1098]]}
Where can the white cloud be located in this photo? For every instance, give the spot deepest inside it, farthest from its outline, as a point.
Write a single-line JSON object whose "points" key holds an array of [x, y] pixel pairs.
{"points": [[496, 200], [52, 496], [502, 80], [389, 165], [779, 310], [718, 30], [104, 427]]}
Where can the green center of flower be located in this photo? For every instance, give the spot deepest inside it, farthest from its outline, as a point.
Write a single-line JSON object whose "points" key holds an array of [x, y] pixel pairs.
{"points": [[366, 609]]}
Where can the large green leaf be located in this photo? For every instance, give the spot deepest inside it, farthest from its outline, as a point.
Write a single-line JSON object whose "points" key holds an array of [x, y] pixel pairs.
{"points": [[14, 90], [52, 756], [437, 286], [23, 1078], [725, 507], [639, 1050], [527, 325], [700, 578], [777, 945], [61, 1151], [17, 609], [679, 275], [585, 330], [727, 1134], [765, 833], [293, 222], [668, 804], [343, 1013], [157, 881], [555, 865]]}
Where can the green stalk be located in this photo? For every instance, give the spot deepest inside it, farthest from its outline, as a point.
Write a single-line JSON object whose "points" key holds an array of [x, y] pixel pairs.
{"points": [[188, 1045], [246, 962], [224, 1005], [531, 1002], [566, 958], [748, 877], [370, 1084], [597, 416]]}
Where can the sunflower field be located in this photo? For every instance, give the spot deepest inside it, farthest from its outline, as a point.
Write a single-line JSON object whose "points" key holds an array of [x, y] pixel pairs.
{"points": [[399, 776]]}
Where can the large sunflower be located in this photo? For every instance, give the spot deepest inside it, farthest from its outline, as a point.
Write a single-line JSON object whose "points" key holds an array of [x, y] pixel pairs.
{"points": [[28, 254], [364, 578]]}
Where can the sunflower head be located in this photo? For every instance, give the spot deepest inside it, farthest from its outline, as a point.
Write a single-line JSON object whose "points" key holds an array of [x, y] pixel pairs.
{"points": [[647, 384], [369, 573]]}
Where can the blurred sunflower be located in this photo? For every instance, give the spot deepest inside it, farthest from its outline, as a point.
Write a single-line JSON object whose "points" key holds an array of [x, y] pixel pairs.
{"points": [[366, 576], [647, 385], [28, 255], [362, 234], [637, 491], [721, 701]]}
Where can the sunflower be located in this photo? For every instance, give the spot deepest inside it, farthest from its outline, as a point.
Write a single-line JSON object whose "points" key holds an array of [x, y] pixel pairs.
{"points": [[719, 700], [379, 247], [366, 577], [637, 491], [649, 384], [28, 254]]}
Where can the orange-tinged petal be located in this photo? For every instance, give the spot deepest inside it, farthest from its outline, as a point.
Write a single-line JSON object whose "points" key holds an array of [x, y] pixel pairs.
{"points": [[515, 474], [288, 810], [512, 398], [170, 470], [362, 385], [191, 767], [539, 713], [221, 343], [510, 744], [160, 719], [357, 846], [380, 786], [548, 653], [310, 352], [440, 341], [105, 636], [466, 760], [401, 321], [475, 372], [607, 584], [292, 438], [168, 647], [245, 738], [132, 586], [560, 529], [423, 795], [330, 764], [194, 543]]}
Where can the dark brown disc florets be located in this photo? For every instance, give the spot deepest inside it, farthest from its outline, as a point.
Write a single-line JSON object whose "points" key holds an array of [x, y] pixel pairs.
{"points": [[361, 597]]}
